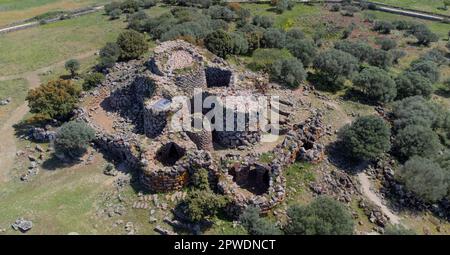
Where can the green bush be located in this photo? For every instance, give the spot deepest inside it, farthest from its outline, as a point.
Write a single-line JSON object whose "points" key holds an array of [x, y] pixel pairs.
{"points": [[366, 138], [382, 26], [289, 71], [415, 140], [72, 138], [203, 204], [274, 38], [55, 99], [387, 44], [132, 45], [220, 43], [425, 178], [92, 80], [376, 85], [380, 58], [427, 69], [303, 49], [400, 230], [423, 34], [360, 50], [255, 225], [240, 43], [109, 55], [413, 84], [263, 21], [323, 216]]}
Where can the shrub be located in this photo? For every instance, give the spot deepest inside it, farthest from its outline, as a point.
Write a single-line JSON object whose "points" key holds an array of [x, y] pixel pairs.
{"points": [[366, 138], [72, 66], [115, 14], [335, 7], [427, 69], [220, 43], [435, 55], [221, 12], [109, 55], [72, 138], [55, 99], [114, 5], [360, 50], [92, 80], [376, 85], [402, 24], [423, 34], [380, 58], [305, 50], [333, 67], [396, 55], [203, 204], [283, 5], [425, 178], [295, 34], [263, 21], [413, 84], [289, 71], [387, 44], [130, 6], [416, 111], [136, 20], [240, 43], [382, 26], [335, 63], [256, 225], [323, 216], [273, 38], [200, 179], [415, 140], [146, 4], [132, 45]]}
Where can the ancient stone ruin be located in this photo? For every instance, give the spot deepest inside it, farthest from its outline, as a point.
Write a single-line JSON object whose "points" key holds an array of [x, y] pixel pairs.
{"points": [[134, 109]]}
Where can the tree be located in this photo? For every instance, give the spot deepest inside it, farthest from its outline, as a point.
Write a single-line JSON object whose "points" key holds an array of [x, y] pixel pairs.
{"points": [[273, 38], [283, 5], [380, 58], [425, 178], [438, 56], [289, 71], [221, 12], [114, 5], [132, 45], [427, 69], [387, 44], [72, 66], [416, 111], [323, 216], [130, 6], [263, 21], [360, 50], [92, 80], [146, 4], [55, 99], [415, 140], [396, 55], [109, 55], [334, 65], [423, 34], [295, 33], [240, 43], [72, 138], [250, 219], [382, 26], [303, 49], [413, 84], [115, 14], [220, 43], [366, 138], [376, 84], [200, 179], [203, 204]]}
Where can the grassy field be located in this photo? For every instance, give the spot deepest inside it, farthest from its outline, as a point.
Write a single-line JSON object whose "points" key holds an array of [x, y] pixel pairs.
{"points": [[55, 42], [16, 90], [18, 10], [421, 5]]}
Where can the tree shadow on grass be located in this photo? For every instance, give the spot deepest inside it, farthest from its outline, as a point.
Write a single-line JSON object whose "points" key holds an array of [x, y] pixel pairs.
{"points": [[54, 162]]}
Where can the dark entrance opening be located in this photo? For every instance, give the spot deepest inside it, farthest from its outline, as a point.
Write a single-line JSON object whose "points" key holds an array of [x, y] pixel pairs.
{"points": [[170, 153], [254, 179], [216, 77]]}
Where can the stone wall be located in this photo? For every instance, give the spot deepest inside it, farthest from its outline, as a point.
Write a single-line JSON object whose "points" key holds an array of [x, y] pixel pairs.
{"points": [[191, 79]]}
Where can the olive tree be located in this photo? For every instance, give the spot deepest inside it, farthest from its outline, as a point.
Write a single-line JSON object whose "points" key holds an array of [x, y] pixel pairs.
{"points": [[376, 85], [415, 140], [220, 43], [72, 66], [289, 71], [366, 138], [413, 84], [72, 138], [303, 49], [256, 225], [132, 44], [427, 69]]}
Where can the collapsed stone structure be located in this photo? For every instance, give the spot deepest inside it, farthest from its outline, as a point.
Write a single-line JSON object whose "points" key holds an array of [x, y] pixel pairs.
{"points": [[135, 110]]}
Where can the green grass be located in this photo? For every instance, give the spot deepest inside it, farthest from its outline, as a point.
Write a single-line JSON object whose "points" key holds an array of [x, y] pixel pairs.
{"points": [[421, 5], [298, 176], [55, 42], [15, 89]]}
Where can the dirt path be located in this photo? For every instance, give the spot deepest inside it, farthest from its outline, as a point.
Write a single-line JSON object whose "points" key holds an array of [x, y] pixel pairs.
{"points": [[7, 137], [366, 187]]}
